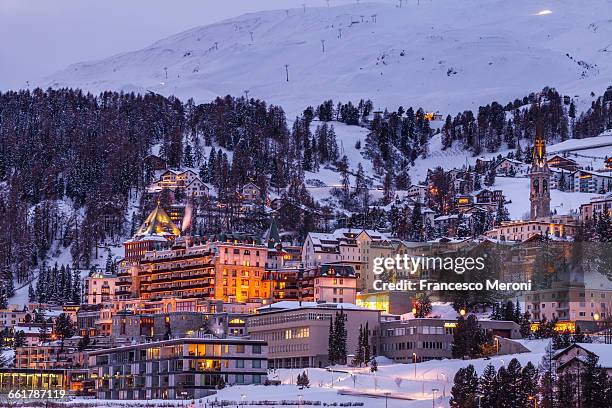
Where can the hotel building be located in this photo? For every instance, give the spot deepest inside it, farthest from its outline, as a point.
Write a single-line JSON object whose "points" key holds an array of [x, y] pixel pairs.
{"points": [[183, 368]]}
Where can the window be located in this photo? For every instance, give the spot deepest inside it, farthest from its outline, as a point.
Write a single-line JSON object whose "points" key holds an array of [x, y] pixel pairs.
{"points": [[256, 379], [240, 348], [240, 378], [256, 363], [257, 349], [239, 363]]}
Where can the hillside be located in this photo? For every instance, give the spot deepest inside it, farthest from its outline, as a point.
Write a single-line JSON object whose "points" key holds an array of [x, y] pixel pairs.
{"points": [[443, 55]]}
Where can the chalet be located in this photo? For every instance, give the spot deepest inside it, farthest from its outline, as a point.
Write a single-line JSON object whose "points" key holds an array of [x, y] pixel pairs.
{"points": [[486, 199], [573, 358], [196, 188], [185, 181], [564, 163], [250, 193], [185, 178], [510, 167]]}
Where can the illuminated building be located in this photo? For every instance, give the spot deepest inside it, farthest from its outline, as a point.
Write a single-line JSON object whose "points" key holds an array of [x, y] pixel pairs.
{"points": [[558, 226], [297, 332], [539, 175], [430, 338], [573, 302], [597, 205], [99, 288], [573, 359], [345, 246], [29, 378], [48, 356], [156, 232], [586, 181], [179, 272], [184, 368]]}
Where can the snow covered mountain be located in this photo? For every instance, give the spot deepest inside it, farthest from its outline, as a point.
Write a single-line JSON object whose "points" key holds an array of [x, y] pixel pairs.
{"points": [[443, 55]]}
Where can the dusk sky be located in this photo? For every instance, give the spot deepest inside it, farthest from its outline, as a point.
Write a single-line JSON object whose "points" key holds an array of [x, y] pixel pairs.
{"points": [[39, 37]]}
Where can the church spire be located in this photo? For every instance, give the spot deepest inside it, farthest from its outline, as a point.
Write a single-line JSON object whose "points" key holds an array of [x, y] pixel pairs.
{"points": [[539, 174], [539, 147]]}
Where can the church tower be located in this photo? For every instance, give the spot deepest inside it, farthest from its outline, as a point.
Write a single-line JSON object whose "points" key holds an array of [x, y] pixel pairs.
{"points": [[539, 175]]}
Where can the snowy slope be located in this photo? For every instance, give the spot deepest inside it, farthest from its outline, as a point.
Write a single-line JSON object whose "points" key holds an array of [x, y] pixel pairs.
{"points": [[443, 55]]}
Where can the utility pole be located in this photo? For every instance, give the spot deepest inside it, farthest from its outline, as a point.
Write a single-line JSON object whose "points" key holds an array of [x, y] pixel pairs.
{"points": [[323, 45], [287, 71]]}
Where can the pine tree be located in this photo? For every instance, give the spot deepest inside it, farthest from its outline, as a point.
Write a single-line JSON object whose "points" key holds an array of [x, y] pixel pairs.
{"points": [[512, 383], [422, 304], [332, 351], [595, 383], [64, 328], [302, 380], [366, 344], [502, 214], [76, 287], [359, 358], [416, 223], [528, 383], [488, 387], [340, 336], [31, 294], [566, 390], [464, 393]]}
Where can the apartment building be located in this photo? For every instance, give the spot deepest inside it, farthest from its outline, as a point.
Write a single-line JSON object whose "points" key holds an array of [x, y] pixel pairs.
{"points": [[11, 317], [570, 302], [417, 340], [558, 226], [183, 368], [592, 182], [297, 332], [99, 288], [346, 246], [48, 356], [597, 205]]}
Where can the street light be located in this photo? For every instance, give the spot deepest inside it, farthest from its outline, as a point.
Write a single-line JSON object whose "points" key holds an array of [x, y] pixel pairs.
{"points": [[497, 345], [433, 397], [462, 312], [300, 400], [386, 396], [414, 358], [535, 401]]}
